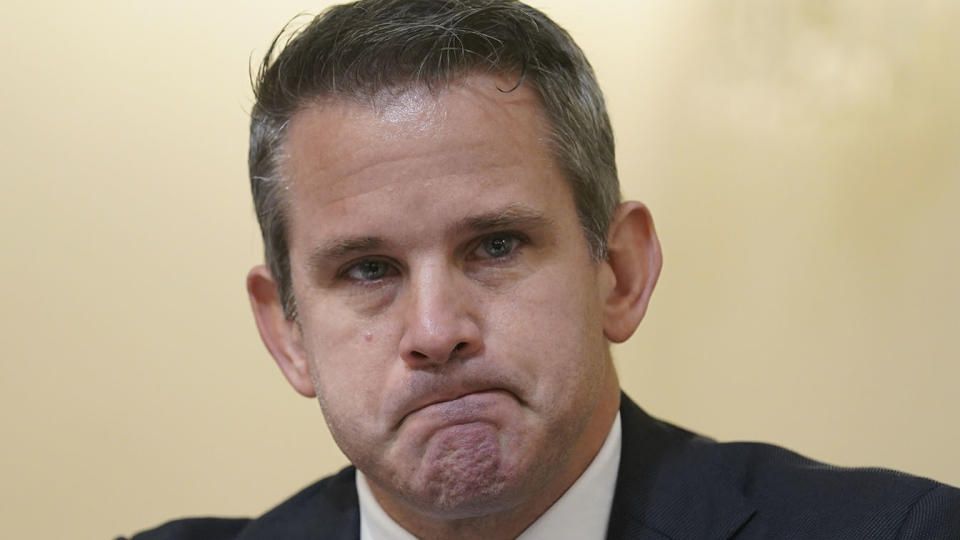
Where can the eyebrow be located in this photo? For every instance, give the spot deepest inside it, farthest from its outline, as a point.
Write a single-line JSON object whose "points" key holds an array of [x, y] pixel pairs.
{"points": [[341, 248], [512, 216]]}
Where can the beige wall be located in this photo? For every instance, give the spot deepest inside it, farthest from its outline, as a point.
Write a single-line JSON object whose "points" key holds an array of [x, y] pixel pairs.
{"points": [[801, 160]]}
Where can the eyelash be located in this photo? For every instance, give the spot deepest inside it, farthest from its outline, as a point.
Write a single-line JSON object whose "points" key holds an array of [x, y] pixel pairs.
{"points": [[517, 240], [389, 268]]}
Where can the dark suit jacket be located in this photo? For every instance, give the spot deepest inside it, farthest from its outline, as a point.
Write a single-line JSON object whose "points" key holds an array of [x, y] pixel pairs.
{"points": [[672, 484]]}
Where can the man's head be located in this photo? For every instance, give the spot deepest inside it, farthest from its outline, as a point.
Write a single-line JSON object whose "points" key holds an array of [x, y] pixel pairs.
{"points": [[455, 283], [356, 51]]}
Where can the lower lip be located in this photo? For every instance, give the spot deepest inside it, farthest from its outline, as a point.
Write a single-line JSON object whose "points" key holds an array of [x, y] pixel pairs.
{"points": [[473, 407]]}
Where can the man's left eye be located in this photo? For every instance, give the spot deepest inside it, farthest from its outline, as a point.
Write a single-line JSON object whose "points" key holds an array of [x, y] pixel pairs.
{"points": [[497, 246], [371, 270]]}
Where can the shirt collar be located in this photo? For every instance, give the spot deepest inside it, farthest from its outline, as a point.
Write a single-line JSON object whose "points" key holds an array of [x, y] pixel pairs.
{"points": [[581, 513]]}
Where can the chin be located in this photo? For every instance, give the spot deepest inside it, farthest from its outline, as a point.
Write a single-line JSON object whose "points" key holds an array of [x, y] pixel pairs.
{"points": [[466, 472]]}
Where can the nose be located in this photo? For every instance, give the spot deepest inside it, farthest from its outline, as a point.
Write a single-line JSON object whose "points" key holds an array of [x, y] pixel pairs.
{"points": [[440, 323]]}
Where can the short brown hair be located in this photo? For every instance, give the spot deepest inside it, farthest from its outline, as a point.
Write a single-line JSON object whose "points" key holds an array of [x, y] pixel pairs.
{"points": [[358, 49]]}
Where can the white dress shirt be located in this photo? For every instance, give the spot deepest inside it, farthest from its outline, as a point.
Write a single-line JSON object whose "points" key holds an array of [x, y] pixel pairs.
{"points": [[581, 513]]}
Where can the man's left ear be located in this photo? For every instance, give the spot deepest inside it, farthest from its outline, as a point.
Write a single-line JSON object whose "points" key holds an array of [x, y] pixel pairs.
{"points": [[633, 255]]}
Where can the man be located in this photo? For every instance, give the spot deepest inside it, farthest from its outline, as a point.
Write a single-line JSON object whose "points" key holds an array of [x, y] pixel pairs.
{"points": [[447, 262]]}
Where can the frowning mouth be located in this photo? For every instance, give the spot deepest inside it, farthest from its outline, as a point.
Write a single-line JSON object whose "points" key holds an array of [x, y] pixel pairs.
{"points": [[456, 405]]}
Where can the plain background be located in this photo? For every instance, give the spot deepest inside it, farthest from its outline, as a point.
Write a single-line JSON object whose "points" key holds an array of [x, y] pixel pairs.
{"points": [[800, 158]]}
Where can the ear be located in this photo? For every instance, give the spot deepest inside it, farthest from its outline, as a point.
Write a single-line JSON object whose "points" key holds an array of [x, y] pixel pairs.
{"points": [[281, 335], [633, 255]]}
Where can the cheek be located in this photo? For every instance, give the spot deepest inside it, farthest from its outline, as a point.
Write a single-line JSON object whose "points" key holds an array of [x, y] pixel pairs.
{"points": [[552, 332], [350, 362]]}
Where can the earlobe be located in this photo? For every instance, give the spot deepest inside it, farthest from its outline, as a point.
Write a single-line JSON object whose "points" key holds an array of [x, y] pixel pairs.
{"points": [[280, 334], [633, 254]]}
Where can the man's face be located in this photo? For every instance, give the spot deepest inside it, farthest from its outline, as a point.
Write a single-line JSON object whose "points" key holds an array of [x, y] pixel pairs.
{"points": [[449, 312]]}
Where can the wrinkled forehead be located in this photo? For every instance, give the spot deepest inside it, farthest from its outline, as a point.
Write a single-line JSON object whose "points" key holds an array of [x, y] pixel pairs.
{"points": [[432, 113], [469, 124]]}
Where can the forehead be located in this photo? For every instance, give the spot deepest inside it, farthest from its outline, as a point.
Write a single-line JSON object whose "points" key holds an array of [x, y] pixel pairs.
{"points": [[336, 138], [345, 146]]}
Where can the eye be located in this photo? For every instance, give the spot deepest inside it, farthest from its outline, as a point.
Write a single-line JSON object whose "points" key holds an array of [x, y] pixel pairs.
{"points": [[368, 270], [497, 246]]}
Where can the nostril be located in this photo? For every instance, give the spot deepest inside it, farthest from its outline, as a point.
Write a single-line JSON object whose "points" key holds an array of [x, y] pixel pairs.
{"points": [[418, 355], [460, 346]]}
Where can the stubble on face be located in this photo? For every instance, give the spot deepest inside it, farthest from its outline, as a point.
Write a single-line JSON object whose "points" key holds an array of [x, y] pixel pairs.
{"points": [[466, 466], [542, 346]]}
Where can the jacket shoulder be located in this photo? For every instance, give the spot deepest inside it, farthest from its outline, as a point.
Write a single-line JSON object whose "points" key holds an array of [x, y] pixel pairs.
{"points": [[195, 529], [684, 486], [325, 509], [794, 493]]}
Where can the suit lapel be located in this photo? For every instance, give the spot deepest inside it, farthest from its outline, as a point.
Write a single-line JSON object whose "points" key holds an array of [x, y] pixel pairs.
{"points": [[670, 486]]}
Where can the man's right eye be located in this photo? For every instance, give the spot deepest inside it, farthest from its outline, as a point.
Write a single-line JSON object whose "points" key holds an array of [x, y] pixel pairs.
{"points": [[370, 270]]}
